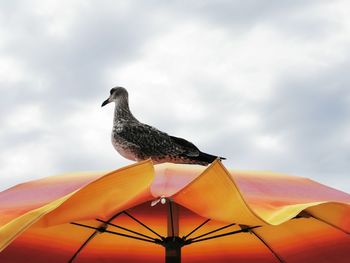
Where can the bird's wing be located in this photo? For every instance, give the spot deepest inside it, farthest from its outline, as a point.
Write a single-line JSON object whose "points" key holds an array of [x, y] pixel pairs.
{"points": [[149, 140], [189, 148]]}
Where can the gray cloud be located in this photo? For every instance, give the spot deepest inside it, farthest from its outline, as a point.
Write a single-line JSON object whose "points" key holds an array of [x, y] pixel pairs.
{"points": [[72, 67], [291, 17], [312, 111]]}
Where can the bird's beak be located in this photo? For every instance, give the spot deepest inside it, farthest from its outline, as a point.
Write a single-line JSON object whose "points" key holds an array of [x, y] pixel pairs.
{"points": [[105, 102]]}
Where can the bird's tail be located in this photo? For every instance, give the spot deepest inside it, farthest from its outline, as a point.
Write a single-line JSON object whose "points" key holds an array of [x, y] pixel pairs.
{"points": [[208, 158]]}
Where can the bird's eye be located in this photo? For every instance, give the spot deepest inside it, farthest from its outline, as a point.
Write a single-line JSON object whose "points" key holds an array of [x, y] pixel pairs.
{"points": [[111, 91]]}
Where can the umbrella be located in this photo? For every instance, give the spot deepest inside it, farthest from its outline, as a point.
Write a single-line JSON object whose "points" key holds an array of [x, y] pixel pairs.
{"points": [[198, 214]]}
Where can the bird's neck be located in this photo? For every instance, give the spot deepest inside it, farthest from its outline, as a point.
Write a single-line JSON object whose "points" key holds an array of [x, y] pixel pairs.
{"points": [[122, 111]]}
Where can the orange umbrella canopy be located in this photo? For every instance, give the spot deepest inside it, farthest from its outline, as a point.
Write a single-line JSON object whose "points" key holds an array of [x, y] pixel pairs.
{"points": [[216, 215]]}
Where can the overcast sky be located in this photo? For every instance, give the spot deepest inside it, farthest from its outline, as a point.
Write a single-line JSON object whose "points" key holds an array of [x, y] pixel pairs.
{"points": [[264, 83]]}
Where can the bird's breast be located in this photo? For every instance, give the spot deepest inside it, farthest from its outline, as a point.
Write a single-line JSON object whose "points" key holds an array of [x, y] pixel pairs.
{"points": [[123, 148]]}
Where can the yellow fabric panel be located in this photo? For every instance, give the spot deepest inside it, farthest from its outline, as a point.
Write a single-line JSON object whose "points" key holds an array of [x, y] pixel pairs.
{"points": [[215, 195], [119, 189], [109, 194], [15, 227], [332, 213], [283, 214], [306, 240]]}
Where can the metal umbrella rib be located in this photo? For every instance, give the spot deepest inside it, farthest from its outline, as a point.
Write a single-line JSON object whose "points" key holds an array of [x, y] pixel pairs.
{"points": [[194, 230], [211, 232], [103, 230], [267, 245], [87, 241], [142, 224], [194, 240], [325, 222], [126, 229]]}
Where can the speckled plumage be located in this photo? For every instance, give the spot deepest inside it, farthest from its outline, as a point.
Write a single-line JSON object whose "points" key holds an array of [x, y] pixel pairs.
{"points": [[138, 141]]}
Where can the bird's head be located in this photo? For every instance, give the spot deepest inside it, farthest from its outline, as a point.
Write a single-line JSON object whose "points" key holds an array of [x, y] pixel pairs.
{"points": [[117, 95]]}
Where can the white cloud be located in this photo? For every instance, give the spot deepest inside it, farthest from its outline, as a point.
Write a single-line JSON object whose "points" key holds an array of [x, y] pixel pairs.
{"points": [[272, 145], [24, 117], [32, 159]]}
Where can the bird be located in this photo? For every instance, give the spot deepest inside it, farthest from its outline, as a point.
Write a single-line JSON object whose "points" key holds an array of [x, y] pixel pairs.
{"points": [[137, 141]]}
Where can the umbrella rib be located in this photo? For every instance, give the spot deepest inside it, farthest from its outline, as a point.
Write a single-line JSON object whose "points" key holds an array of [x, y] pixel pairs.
{"points": [[142, 224], [211, 232], [327, 223], [126, 229], [90, 238], [190, 241], [129, 236], [194, 230], [102, 230], [82, 246], [114, 217], [267, 245]]}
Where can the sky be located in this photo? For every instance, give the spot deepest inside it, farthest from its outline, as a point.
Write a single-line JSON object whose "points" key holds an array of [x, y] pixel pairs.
{"points": [[265, 84]]}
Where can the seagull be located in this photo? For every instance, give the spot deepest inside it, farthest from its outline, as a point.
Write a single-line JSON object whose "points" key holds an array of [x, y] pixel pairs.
{"points": [[137, 141]]}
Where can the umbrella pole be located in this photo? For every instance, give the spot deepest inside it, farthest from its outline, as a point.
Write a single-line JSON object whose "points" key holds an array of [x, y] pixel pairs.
{"points": [[173, 242]]}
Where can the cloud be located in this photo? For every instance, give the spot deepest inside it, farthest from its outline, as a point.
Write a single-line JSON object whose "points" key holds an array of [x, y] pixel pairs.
{"points": [[263, 84], [310, 111]]}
